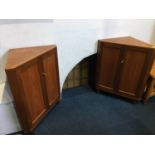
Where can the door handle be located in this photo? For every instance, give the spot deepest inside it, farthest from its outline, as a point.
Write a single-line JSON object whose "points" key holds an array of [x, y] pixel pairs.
{"points": [[122, 61], [44, 74]]}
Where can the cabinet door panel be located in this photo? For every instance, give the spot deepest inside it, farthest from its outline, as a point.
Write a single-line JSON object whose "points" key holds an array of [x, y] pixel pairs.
{"points": [[109, 61], [32, 92], [50, 68], [132, 70]]}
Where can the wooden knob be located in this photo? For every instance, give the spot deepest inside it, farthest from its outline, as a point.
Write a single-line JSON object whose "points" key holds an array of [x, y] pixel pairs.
{"points": [[122, 61], [44, 74]]}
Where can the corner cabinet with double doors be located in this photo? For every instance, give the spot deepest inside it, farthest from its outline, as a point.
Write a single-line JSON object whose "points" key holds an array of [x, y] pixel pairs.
{"points": [[34, 81], [123, 66]]}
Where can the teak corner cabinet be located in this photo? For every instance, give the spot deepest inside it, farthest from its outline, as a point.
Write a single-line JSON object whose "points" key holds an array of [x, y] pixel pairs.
{"points": [[123, 66], [34, 80]]}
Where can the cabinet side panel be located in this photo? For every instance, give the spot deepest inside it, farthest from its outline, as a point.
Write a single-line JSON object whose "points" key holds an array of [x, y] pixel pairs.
{"points": [[50, 67], [32, 91], [18, 100], [108, 64]]}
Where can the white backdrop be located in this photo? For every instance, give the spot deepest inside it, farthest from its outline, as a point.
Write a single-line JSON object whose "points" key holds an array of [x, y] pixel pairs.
{"points": [[75, 39]]}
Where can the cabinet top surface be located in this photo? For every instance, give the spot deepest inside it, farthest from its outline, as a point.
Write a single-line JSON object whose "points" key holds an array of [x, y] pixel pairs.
{"points": [[130, 41], [18, 56]]}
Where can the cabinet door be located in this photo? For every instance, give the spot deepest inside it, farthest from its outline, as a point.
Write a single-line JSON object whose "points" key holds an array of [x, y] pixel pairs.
{"points": [[50, 68], [135, 68], [107, 67], [34, 105]]}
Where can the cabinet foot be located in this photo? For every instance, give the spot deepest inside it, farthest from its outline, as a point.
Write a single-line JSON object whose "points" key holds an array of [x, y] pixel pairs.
{"points": [[28, 133], [97, 91]]}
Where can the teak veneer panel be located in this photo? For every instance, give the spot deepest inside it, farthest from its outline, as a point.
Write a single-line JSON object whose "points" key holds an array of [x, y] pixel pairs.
{"points": [[108, 67], [18, 56], [128, 41]]}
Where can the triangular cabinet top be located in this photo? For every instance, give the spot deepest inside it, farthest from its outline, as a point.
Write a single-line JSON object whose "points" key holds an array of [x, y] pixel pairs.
{"points": [[18, 56], [129, 41]]}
